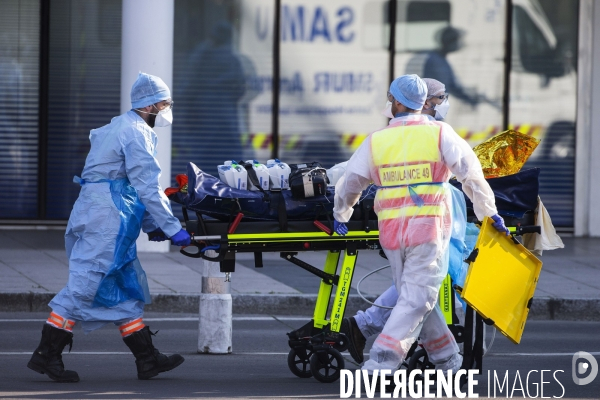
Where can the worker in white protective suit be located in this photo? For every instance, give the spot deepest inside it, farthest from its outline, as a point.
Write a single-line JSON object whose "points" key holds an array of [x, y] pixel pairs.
{"points": [[370, 322], [410, 162], [120, 194]]}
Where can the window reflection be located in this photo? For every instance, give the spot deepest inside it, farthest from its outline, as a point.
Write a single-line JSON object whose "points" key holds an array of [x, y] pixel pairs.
{"points": [[19, 88]]}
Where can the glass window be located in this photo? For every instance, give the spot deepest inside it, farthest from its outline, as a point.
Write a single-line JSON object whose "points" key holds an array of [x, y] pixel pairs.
{"points": [[418, 22], [84, 90], [19, 102], [467, 56], [543, 88], [217, 79], [333, 81], [256, 37]]}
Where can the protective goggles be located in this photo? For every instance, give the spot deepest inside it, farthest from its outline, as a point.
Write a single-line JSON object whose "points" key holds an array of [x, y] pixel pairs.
{"points": [[441, 97]]}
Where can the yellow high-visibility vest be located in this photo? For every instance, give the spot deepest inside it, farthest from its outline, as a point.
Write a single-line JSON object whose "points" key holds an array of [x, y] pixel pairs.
{"points": [[407, 158]]}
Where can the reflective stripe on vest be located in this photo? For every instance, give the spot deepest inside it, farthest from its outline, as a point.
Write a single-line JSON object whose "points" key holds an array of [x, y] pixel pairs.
{"points": [[410, 211], [407, 156], [400, 196]]}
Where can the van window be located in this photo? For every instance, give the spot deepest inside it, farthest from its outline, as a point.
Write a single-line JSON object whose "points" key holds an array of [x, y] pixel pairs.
{"points": [[532, 49], [418, 11], [417, 22]]}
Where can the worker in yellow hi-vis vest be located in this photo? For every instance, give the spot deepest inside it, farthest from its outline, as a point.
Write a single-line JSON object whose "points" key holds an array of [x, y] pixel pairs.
{"points": [[411, 161]]}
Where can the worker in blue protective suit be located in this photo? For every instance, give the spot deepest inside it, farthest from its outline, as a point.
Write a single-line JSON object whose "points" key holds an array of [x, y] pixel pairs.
{"points": [[120, 194], [415, 238]]}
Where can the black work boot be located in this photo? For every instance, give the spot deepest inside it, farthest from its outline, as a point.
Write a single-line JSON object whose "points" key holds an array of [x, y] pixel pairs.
{"points": [[47, 358], [149, 361], [356, 340]]}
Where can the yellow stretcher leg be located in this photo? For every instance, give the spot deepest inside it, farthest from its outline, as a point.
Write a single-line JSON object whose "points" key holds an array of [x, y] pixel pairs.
{"points": [[343, 290], [320, 314], [446, 299]]}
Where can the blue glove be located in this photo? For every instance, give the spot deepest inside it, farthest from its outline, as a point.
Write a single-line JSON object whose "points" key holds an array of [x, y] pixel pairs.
{"points": [[215, 247], [181, 238], [499, 224], [340, 228], [157, 236]]}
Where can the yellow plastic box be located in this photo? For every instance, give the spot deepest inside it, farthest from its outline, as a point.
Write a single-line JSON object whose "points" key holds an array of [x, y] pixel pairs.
{"points": [[501, 281]]}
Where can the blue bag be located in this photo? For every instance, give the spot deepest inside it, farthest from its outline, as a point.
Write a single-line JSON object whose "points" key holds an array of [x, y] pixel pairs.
{"points": [[514, 194], [125, 278]]}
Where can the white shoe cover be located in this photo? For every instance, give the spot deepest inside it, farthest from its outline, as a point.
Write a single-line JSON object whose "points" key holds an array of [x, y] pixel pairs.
{"points": [[453, 363]]}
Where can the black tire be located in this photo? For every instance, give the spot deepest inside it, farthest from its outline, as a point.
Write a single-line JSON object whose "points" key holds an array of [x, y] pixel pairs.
{"points": [[299, 363], [419, 360], [343, 346], [326, 366]]}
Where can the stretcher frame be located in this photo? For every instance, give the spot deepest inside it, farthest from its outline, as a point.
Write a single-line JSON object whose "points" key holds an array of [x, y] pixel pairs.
{"points": [[260, 237], [315, 347], [321, 335]]}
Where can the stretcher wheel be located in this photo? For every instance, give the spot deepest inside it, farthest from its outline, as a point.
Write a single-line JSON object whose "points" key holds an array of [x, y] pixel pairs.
{"points": [[419, 360], [299, 363], [326, 365]]}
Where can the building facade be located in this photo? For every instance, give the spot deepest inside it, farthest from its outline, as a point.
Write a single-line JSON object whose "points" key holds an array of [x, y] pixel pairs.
{"points": [[311, 91]]}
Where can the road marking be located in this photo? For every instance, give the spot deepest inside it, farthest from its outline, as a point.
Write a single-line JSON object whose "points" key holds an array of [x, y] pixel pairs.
{"points": [[595, 353], [273, 318], [275, 353], [18, 353], [252, 353], [183, 319]]}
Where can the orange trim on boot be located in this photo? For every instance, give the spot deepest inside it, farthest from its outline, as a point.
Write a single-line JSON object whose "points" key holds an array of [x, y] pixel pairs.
{"points": [[131, 327], [59, 322]]}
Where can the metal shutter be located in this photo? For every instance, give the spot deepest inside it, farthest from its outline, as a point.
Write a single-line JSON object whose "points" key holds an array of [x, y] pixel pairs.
{"points": [[84, 90], [19, 88]]}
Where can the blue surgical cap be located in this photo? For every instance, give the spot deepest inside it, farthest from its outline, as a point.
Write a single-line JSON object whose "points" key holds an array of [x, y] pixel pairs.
{"points": [[148, 90], [410, 90]]}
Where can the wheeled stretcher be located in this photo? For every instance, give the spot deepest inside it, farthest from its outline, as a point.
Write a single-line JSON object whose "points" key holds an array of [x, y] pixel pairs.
{"points": [[315, 347]]}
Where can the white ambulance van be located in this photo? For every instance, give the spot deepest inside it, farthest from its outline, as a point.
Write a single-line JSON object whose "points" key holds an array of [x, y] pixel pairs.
{"points": [[335, 75]]}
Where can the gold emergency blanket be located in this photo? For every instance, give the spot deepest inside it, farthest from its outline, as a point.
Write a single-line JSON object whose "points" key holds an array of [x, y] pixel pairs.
{"points": [[505, 153]]}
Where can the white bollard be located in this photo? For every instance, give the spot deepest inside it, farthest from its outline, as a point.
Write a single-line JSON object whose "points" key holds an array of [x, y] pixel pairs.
{"points": [[215, 315]]}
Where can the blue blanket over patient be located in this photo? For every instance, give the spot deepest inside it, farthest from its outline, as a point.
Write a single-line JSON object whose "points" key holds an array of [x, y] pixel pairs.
{"points": [[514, 195]]}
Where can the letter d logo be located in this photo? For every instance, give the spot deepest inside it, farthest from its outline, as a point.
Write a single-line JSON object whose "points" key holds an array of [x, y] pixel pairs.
{"points": [[591, 365]]}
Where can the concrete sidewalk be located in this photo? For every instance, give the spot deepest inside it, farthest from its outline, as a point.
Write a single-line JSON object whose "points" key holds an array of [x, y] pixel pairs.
{"points": [[33, 267]]}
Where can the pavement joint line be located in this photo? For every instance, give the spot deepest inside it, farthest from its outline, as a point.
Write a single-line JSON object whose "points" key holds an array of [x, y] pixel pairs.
{"points": [[25, 276], [162, 284], [60, 261]]}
